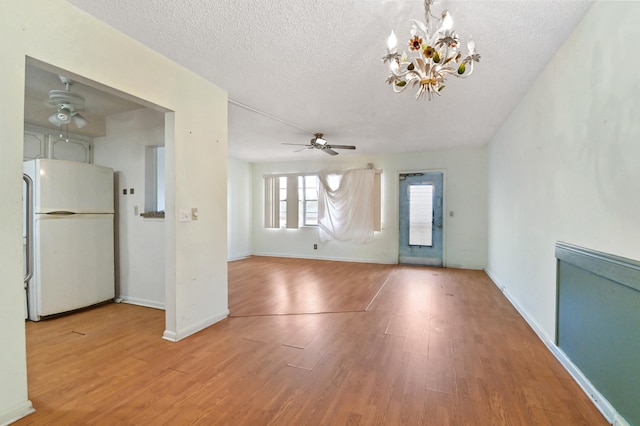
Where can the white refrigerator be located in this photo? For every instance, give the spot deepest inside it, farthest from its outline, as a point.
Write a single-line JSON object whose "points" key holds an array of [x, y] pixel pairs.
{"points": [[72, 238]]}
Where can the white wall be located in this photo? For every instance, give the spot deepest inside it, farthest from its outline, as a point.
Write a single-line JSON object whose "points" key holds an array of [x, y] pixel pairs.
{"points": [[465, 193], [140, 242], [240, 209], [565, 166], [196, 254]]}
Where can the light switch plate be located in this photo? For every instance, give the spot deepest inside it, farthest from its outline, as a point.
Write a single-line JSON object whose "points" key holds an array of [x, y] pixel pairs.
{"points": [[184, 215]]}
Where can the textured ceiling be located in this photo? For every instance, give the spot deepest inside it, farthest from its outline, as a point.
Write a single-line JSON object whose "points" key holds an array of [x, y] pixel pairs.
{"points": [[316, 64]]}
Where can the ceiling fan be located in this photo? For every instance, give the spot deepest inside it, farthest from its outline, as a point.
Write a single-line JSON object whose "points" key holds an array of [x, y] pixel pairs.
{"points": [[68, 105], [318, 142]]}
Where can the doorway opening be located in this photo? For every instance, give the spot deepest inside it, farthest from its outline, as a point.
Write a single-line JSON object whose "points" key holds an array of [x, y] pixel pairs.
{"points": [[114, 132]]}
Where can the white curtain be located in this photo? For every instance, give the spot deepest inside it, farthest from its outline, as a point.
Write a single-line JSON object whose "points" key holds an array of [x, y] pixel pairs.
{"points": [[345, 205]]}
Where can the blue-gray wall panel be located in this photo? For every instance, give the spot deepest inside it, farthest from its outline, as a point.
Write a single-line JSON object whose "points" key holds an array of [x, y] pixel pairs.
{"points": [[598, 324]]}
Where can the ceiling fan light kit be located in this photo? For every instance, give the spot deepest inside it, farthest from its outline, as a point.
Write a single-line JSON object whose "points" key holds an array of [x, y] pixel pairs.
{"points": [[434, 55], [68, 105], [318, 142]]}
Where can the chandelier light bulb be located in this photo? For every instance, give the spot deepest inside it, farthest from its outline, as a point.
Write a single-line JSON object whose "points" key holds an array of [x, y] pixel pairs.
{"points": [[471, 45], [447, 20], [392, 41], [64, 115]]}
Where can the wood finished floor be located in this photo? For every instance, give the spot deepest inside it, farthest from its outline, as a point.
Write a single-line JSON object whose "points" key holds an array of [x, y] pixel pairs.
{"points": [[435, 347]]}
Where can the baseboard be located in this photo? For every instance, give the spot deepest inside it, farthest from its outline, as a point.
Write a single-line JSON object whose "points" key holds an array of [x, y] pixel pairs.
{"points": [[170, 336], [16, 413], [179, 335], [600, 401], [587, 387], [233, 259], [141, 302], [336, 259]]}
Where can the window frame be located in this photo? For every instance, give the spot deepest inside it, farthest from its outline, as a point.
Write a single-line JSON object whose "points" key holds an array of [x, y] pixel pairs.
{"points": [[304, 200], [154, 193], [300, 205], [297, 204]]}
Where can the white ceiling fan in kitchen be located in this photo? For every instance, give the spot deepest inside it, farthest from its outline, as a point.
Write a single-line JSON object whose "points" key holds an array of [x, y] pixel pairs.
{"points": [[68, 104]]}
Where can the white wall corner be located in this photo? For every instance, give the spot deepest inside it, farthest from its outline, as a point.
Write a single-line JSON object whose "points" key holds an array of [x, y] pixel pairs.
{"points": [[601, 403], [16, 413]]}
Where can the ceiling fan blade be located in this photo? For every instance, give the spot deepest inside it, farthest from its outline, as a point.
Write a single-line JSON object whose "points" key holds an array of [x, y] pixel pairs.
{"points": [[303, 149], [342, 146], [329, 151], [302, 144]]}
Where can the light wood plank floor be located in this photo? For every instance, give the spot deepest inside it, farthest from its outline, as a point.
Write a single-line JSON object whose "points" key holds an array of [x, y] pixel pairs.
{"points": [[434, 347]]}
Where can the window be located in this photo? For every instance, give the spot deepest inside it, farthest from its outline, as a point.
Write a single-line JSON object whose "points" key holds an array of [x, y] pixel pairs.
{"points": [[282, 196], [309, 200], [421, 215], [292, 199], [154, 181]]}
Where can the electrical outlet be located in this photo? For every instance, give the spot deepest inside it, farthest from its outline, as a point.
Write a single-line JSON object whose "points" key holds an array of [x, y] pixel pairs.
{"points": [[315, 247]]}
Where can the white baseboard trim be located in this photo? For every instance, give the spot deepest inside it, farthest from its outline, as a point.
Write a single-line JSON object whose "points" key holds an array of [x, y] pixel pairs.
{"points": [[337, 259], [179, 335], [169, 336], [585, 384], [233, 259], [16, 413], [600, 401], [141, 302]]}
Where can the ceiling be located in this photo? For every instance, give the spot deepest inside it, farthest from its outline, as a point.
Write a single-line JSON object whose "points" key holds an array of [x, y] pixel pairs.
{"points": [[40, 79], [315, 66]]}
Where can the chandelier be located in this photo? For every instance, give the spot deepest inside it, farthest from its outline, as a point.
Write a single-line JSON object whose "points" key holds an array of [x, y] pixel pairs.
{"points": [[434, 55]]}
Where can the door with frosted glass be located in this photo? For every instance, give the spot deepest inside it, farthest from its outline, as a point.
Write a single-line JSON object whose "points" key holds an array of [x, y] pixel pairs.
{"points": [[421, 219]]}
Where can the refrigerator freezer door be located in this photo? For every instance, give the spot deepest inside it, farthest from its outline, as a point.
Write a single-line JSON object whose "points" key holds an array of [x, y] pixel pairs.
{"points": [[70, 186], [73, 263]]}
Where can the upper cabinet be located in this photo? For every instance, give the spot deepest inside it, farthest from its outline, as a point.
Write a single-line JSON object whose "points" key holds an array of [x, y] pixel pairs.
{"points": [[47, 143], [35, 145]]}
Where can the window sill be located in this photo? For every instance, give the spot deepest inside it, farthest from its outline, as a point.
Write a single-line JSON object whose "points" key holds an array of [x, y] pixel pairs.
{"points": [[153, 215]]}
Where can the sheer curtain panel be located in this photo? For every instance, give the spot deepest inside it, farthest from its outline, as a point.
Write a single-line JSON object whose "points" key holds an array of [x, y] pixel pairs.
{"points": [[345, 206]]}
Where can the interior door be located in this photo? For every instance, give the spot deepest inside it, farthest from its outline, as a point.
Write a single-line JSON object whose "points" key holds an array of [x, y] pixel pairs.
{"points": [[421, 223]]}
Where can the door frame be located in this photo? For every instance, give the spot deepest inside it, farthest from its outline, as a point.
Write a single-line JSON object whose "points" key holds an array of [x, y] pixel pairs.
{"points": [[445, 214]]}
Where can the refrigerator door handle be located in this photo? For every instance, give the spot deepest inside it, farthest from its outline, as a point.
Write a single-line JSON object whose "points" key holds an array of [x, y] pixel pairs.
{"points": [[28, 229], [61, 213]]}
